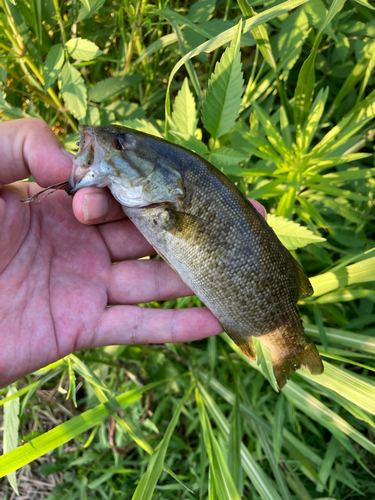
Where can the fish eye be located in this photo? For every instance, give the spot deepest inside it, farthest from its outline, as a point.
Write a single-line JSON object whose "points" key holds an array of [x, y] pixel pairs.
{"points": [[124, 142], [119, 142]]}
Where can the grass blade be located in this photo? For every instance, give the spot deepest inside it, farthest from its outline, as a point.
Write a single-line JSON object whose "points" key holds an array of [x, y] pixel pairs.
{"points": [[11, 423], [146, 486]]}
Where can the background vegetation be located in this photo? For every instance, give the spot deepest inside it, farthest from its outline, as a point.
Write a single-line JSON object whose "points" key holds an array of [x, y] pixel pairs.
{"points": [[287, 112]]}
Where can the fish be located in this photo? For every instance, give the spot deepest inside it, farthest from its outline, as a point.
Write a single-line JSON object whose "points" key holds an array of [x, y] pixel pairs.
{"points": [[204, 227]]}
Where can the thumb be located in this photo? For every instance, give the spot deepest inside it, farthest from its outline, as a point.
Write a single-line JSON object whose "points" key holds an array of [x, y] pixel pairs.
{"points": [[29, 147]]}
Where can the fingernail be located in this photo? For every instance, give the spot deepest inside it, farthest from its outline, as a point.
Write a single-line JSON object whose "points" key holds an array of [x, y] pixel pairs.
{"points": [[95, 206], [67, 153]]}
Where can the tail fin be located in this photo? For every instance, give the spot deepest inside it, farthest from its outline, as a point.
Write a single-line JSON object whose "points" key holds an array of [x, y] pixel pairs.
{"points": [[309, 358]]}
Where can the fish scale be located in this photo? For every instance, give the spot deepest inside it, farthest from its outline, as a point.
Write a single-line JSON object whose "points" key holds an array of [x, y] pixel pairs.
{"points": [[211, 235]]}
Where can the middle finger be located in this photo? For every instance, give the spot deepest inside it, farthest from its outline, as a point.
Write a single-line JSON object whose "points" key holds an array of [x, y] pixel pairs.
{"points": [[134, 282]]}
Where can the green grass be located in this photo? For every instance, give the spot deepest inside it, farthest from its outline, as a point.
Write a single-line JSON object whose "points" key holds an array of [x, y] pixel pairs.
{"points": [[287, 112]]}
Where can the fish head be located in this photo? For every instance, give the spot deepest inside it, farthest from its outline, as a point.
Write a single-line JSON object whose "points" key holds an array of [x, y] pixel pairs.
{"points": [[122, 160]]}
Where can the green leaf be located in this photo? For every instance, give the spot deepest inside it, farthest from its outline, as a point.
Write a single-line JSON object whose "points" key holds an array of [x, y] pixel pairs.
{"points": [[264, 484], [105, 396], [291, 234], [159, 44], [363, 343], [192, 143], [227, 157], [319, 412], [251, 140], [277, 428], [125, 110], [271, 131], [105, 89], [146, 486], [292, 35], [86, 4], [89, 8], [345, 295], [360, 272], [235, 440], [306, 78], [142, 125], [73, 90], [365, 3], [317, 13], [53, 65], [184, 115], [224, 484], [265, 362], [82, 49], [201, 11], [313, 120], [11, 424], [225, 88], [351, 81], [352, 387], [336, 192], [328, 462], [23, 31]]}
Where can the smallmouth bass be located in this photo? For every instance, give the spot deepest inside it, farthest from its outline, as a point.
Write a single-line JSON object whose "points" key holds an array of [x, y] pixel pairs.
{"points": [[210, 234]]}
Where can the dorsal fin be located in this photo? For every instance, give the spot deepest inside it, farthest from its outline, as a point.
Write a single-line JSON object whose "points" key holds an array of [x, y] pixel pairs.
{"points": [[305, 288]]}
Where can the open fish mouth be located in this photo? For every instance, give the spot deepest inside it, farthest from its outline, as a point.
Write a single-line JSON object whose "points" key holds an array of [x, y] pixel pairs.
{"points": [[85, 172]]}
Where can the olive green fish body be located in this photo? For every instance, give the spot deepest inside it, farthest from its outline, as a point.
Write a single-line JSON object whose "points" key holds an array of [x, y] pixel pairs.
{"points": [[224, 250]]}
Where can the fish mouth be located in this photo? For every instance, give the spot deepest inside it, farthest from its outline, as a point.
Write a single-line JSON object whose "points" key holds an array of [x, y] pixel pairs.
{"points": [[86, 161]]}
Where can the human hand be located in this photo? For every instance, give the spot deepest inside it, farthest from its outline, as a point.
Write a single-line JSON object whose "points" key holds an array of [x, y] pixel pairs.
{"points": [[57, 275]]}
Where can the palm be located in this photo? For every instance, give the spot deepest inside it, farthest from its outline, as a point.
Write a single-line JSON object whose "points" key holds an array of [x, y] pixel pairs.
{"points": [[56, 284], [58, 278]]}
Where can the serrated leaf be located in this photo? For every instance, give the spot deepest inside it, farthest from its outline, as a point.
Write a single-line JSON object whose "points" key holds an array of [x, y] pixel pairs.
{"points": [[291, 234], [82, 49], [225, 88], [11, 424], [184, 115], [227, 157], [142, 125], [192, 143], [126, 110], [93, 116], [53, 65], [317, 13], [105, 89], [73, 90]]}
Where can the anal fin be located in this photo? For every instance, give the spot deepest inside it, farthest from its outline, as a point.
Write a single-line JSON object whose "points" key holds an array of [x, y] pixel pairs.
{"points": [[246, 344]]}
